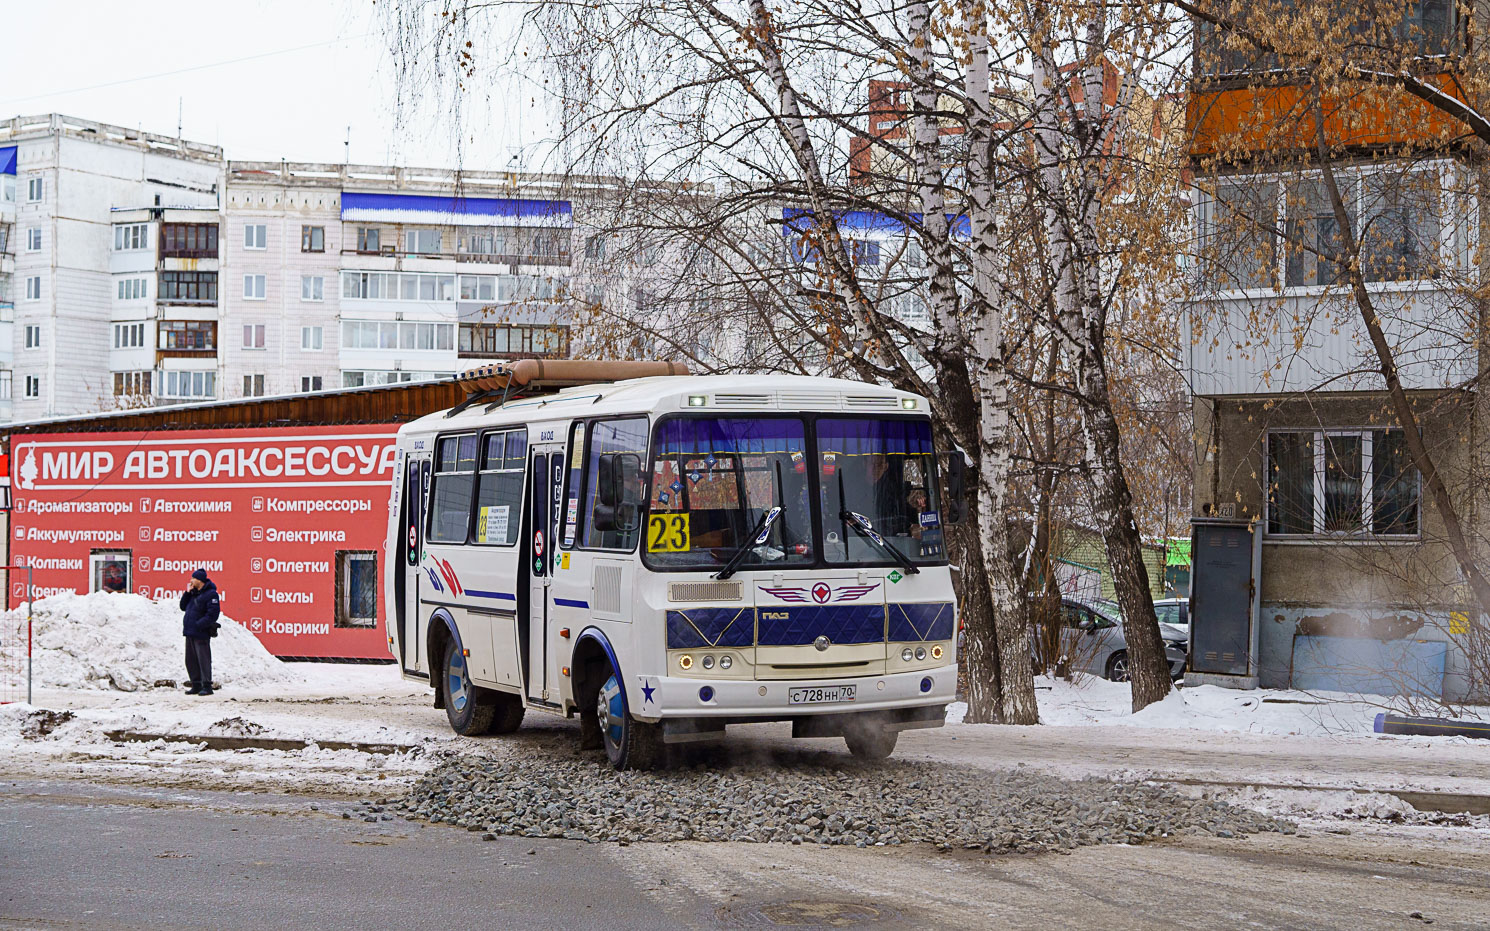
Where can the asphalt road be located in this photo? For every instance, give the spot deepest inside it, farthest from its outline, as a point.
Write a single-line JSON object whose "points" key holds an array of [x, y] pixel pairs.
{"points": [[80, 856]]}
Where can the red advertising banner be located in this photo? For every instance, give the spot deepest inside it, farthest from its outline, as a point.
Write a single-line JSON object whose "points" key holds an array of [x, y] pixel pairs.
{"points": [[288, 522]]}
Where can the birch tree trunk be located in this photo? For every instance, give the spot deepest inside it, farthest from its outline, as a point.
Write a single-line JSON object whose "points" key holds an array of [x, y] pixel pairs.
{"points": [[1010, 606], [1069, 150]]}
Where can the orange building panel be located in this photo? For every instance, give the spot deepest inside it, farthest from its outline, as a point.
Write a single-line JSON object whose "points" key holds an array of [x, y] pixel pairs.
{"points": [[1258, 120]]}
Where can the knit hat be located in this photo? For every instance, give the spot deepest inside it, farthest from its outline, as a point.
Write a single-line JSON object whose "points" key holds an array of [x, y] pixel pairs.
{"points": [[200, 574]]}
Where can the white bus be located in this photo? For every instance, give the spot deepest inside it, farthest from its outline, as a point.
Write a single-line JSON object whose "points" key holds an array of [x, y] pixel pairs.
{"points": [[666, 555]]}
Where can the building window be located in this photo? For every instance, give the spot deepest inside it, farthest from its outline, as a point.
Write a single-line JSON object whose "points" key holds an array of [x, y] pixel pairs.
{"points": [[5, 385], [499, 494], [312, 239], [354, 379], [133, 289], [392, 286], [189, 335], [194, 385], [132, 384], [312, 288], [33, 288], [489, 339], [129, 336], [33, 386], [1341, 483], [255, 236], [34, 190], [130, 237], [253, 287], [478, 287], [310, 338], [388, 334], [367, 239], [450, 496], [188, 240], [1395, 214], [188, 287], [424, 242], [310, 383], [8, 188], [595, 247], [356, 588], [33, 239], [865, 251], [253, 336], [33, 337], [109, 570], [253, 386]]}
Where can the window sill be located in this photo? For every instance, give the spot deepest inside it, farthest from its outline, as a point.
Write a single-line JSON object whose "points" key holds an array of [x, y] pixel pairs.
{"points": [[1342, 541], [1317, 290]]}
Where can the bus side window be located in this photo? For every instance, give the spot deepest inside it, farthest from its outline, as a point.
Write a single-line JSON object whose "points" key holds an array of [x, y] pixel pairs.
{"points": [[623, 443], [450, 494], [572, 483]]}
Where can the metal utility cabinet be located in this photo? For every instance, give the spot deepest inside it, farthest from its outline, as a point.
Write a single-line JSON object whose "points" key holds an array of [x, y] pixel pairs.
{"points": [[1224, 595]]}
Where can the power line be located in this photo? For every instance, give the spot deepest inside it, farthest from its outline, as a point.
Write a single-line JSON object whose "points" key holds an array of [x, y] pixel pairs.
{"points": [[167, 74]]}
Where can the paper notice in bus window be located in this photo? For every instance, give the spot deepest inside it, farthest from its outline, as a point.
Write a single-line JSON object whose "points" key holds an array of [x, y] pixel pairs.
{"points": [[491, 525]]}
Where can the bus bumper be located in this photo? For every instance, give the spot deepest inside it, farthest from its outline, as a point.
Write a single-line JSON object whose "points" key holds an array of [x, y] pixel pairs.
{"points": [[748, 700]]}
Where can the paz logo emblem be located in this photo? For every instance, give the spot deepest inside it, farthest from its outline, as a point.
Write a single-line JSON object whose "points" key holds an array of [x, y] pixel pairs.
{"points": [[821, 644], [820, 593]]}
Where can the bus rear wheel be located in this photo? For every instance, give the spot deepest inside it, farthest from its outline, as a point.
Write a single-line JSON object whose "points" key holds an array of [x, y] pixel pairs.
{"points": [[629, 743], [471, 710]]}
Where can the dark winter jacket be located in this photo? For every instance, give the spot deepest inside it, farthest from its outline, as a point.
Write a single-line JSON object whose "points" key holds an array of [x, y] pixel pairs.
{"points": [[201, 609]]}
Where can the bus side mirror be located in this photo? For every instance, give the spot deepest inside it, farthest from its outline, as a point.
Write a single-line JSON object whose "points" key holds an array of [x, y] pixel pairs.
{"points": [[618, 486], [956, 503]]}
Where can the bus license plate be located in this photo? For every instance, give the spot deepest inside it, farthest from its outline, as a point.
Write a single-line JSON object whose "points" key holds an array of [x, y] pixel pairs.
{"points": [[816, 694]]}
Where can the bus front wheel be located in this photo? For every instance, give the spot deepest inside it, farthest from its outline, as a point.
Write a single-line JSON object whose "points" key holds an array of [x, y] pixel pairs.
{"points": [[629, 743], [470, 709], [868, 742]]}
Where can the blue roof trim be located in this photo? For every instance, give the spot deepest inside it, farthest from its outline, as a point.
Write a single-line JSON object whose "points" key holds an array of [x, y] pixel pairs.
{"points": [[800, 221], [8, 160], [466, 206]]}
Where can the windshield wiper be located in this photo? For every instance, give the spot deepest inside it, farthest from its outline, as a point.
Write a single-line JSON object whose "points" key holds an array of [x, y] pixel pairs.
{"points": [[861, 523], [758, 536]]}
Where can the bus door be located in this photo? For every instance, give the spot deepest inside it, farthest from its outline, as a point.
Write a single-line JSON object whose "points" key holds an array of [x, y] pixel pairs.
{"points": [[409, 628], [547, 488]]}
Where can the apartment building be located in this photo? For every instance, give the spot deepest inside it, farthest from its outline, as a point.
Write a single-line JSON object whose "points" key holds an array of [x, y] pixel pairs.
{"points": [[1295, 434], [67, 182], [138, 270]]}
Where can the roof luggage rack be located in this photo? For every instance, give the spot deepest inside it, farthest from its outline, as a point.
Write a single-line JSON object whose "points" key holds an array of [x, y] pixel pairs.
{"points": [[505, 381]]}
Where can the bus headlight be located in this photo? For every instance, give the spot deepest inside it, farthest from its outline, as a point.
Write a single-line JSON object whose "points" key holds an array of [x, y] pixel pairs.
{"points": [[936, 651], [920, 652], [726, 661], [685, 661], [708, 662], [906, 654]]}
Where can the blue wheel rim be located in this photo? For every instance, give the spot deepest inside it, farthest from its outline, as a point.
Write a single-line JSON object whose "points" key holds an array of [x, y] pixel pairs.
{"points": [[611, 710], [459, 685]]}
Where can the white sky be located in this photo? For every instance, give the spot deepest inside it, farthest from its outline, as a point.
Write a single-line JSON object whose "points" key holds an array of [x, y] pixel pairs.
{"points": [[288, 101]]}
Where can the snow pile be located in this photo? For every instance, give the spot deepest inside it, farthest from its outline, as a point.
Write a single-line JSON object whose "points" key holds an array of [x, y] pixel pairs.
{"points": [[1090, 701], [128, 642]]}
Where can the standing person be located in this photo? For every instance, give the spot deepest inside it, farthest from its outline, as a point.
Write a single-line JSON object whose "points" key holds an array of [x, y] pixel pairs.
{"points": [[199, 624]]}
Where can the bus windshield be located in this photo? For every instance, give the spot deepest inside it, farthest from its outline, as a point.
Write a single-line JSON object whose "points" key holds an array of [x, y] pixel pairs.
{"points": [[885, 471], [714, 480]]}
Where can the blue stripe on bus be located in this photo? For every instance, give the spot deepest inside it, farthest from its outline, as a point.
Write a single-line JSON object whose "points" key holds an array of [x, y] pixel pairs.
{"points": [[501, 596], [570, 603]]}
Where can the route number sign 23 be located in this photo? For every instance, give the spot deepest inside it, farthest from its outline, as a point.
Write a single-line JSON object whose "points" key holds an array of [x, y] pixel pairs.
{"points": [[668, 533]]}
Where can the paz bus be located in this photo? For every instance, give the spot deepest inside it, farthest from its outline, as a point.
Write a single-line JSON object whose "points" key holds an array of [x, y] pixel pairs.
{"points": [[663, 554]]}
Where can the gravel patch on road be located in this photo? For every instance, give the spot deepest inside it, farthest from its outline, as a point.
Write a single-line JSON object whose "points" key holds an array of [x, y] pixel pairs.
{"points": [[827, 800]]}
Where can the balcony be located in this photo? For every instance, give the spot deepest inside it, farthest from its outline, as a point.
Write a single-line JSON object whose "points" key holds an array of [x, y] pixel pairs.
{"points": [[500, 341], [186, 339], [188, 241]]}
